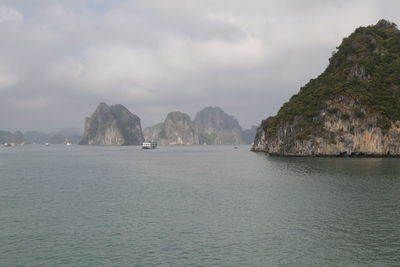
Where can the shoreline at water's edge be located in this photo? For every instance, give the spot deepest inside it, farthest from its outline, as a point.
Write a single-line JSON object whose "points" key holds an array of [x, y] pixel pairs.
{"points": [[343, 155]]}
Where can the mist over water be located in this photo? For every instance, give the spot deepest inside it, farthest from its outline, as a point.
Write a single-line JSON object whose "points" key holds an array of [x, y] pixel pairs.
{"points": [[195, 206]]}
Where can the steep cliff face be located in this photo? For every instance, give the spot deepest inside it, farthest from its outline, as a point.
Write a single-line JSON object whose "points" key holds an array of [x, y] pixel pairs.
{"points": [[113, 125], [348, 129], [211, 126], [215, 127], [177, 129], [152, 133], [352, 109]]}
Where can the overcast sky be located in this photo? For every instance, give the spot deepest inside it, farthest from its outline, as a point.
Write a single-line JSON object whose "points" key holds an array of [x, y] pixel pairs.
{"points": [[59, 59]]}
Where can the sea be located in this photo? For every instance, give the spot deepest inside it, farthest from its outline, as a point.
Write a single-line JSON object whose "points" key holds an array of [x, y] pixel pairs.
{"points": [[195, 206]]}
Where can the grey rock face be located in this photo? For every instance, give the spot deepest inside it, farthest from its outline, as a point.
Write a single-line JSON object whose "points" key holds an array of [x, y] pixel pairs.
{"points": [[152, 133], [211, 126], [114, 125], [177, 129], [347, 133], [215, 127]]}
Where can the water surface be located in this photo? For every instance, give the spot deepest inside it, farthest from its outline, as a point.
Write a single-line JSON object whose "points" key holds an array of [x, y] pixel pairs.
{"points": [[195, 206]]}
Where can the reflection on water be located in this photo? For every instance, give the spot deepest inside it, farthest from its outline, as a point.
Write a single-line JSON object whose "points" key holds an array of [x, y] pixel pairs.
{"points": [[339, 166]]}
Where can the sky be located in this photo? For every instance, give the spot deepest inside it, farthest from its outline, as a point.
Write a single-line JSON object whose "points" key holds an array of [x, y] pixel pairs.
{"points": [[60, 59]]}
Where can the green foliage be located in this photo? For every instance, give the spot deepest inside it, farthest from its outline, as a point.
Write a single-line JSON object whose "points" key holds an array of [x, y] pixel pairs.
{"points": [[384, 123], [359, 113], [331, 140], [333, 111], [345, 116], [373, 49]]}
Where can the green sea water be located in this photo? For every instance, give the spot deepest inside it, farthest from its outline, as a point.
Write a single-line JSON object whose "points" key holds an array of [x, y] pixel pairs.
{"points": [[195, 206]]}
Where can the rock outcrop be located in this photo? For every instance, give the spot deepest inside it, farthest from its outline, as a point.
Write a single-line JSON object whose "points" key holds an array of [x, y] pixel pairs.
{"points": [[212, 126], [152, 133], [351, 109], [177, 129], [114, 125], [215, 127]]}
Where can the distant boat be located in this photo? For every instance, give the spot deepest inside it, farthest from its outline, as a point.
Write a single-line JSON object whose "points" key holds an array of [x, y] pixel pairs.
{"points": [[67, 142], [235, 147], [46, 144], [6, 144], [149, 145]]}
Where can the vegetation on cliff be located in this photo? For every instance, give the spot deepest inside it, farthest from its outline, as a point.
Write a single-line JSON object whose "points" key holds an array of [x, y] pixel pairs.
{"points": [[365, 68]]}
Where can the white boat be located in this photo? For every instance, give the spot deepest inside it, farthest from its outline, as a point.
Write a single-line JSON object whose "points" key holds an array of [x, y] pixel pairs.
{"points": [[46, 144], [67, 142], [149, 145], [6, 144]]}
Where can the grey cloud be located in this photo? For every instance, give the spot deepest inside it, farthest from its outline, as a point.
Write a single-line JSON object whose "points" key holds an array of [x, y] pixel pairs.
{"points": [[58, 59]]}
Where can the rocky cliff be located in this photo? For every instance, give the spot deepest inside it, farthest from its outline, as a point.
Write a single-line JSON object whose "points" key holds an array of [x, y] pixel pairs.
{"points": [[211, 126], [215, 127], [112, 125], [152, 133], [177, 129], [351, 109]]}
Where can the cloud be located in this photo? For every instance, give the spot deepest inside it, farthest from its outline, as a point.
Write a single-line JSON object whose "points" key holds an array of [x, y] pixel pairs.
{"points": [[7, 79], [118, 63], [63, 57], [8, 14]]}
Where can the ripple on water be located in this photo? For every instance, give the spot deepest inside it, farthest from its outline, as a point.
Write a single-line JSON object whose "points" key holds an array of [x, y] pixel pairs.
{"points": [[195, 206]]}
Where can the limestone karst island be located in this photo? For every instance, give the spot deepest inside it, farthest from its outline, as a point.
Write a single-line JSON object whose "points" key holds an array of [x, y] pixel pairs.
{"points": [[351, 109], [115, 125], [112, 125]]}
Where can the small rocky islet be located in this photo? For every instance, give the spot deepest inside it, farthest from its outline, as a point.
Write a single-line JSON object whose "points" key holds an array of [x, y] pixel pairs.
{"points": [[351, 109]]}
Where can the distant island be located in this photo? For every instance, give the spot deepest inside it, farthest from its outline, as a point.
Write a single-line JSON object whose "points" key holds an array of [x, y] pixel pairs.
{"points": [[351, 109], [116, 125], [36, 137], [112, 125], [211, 126]]}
